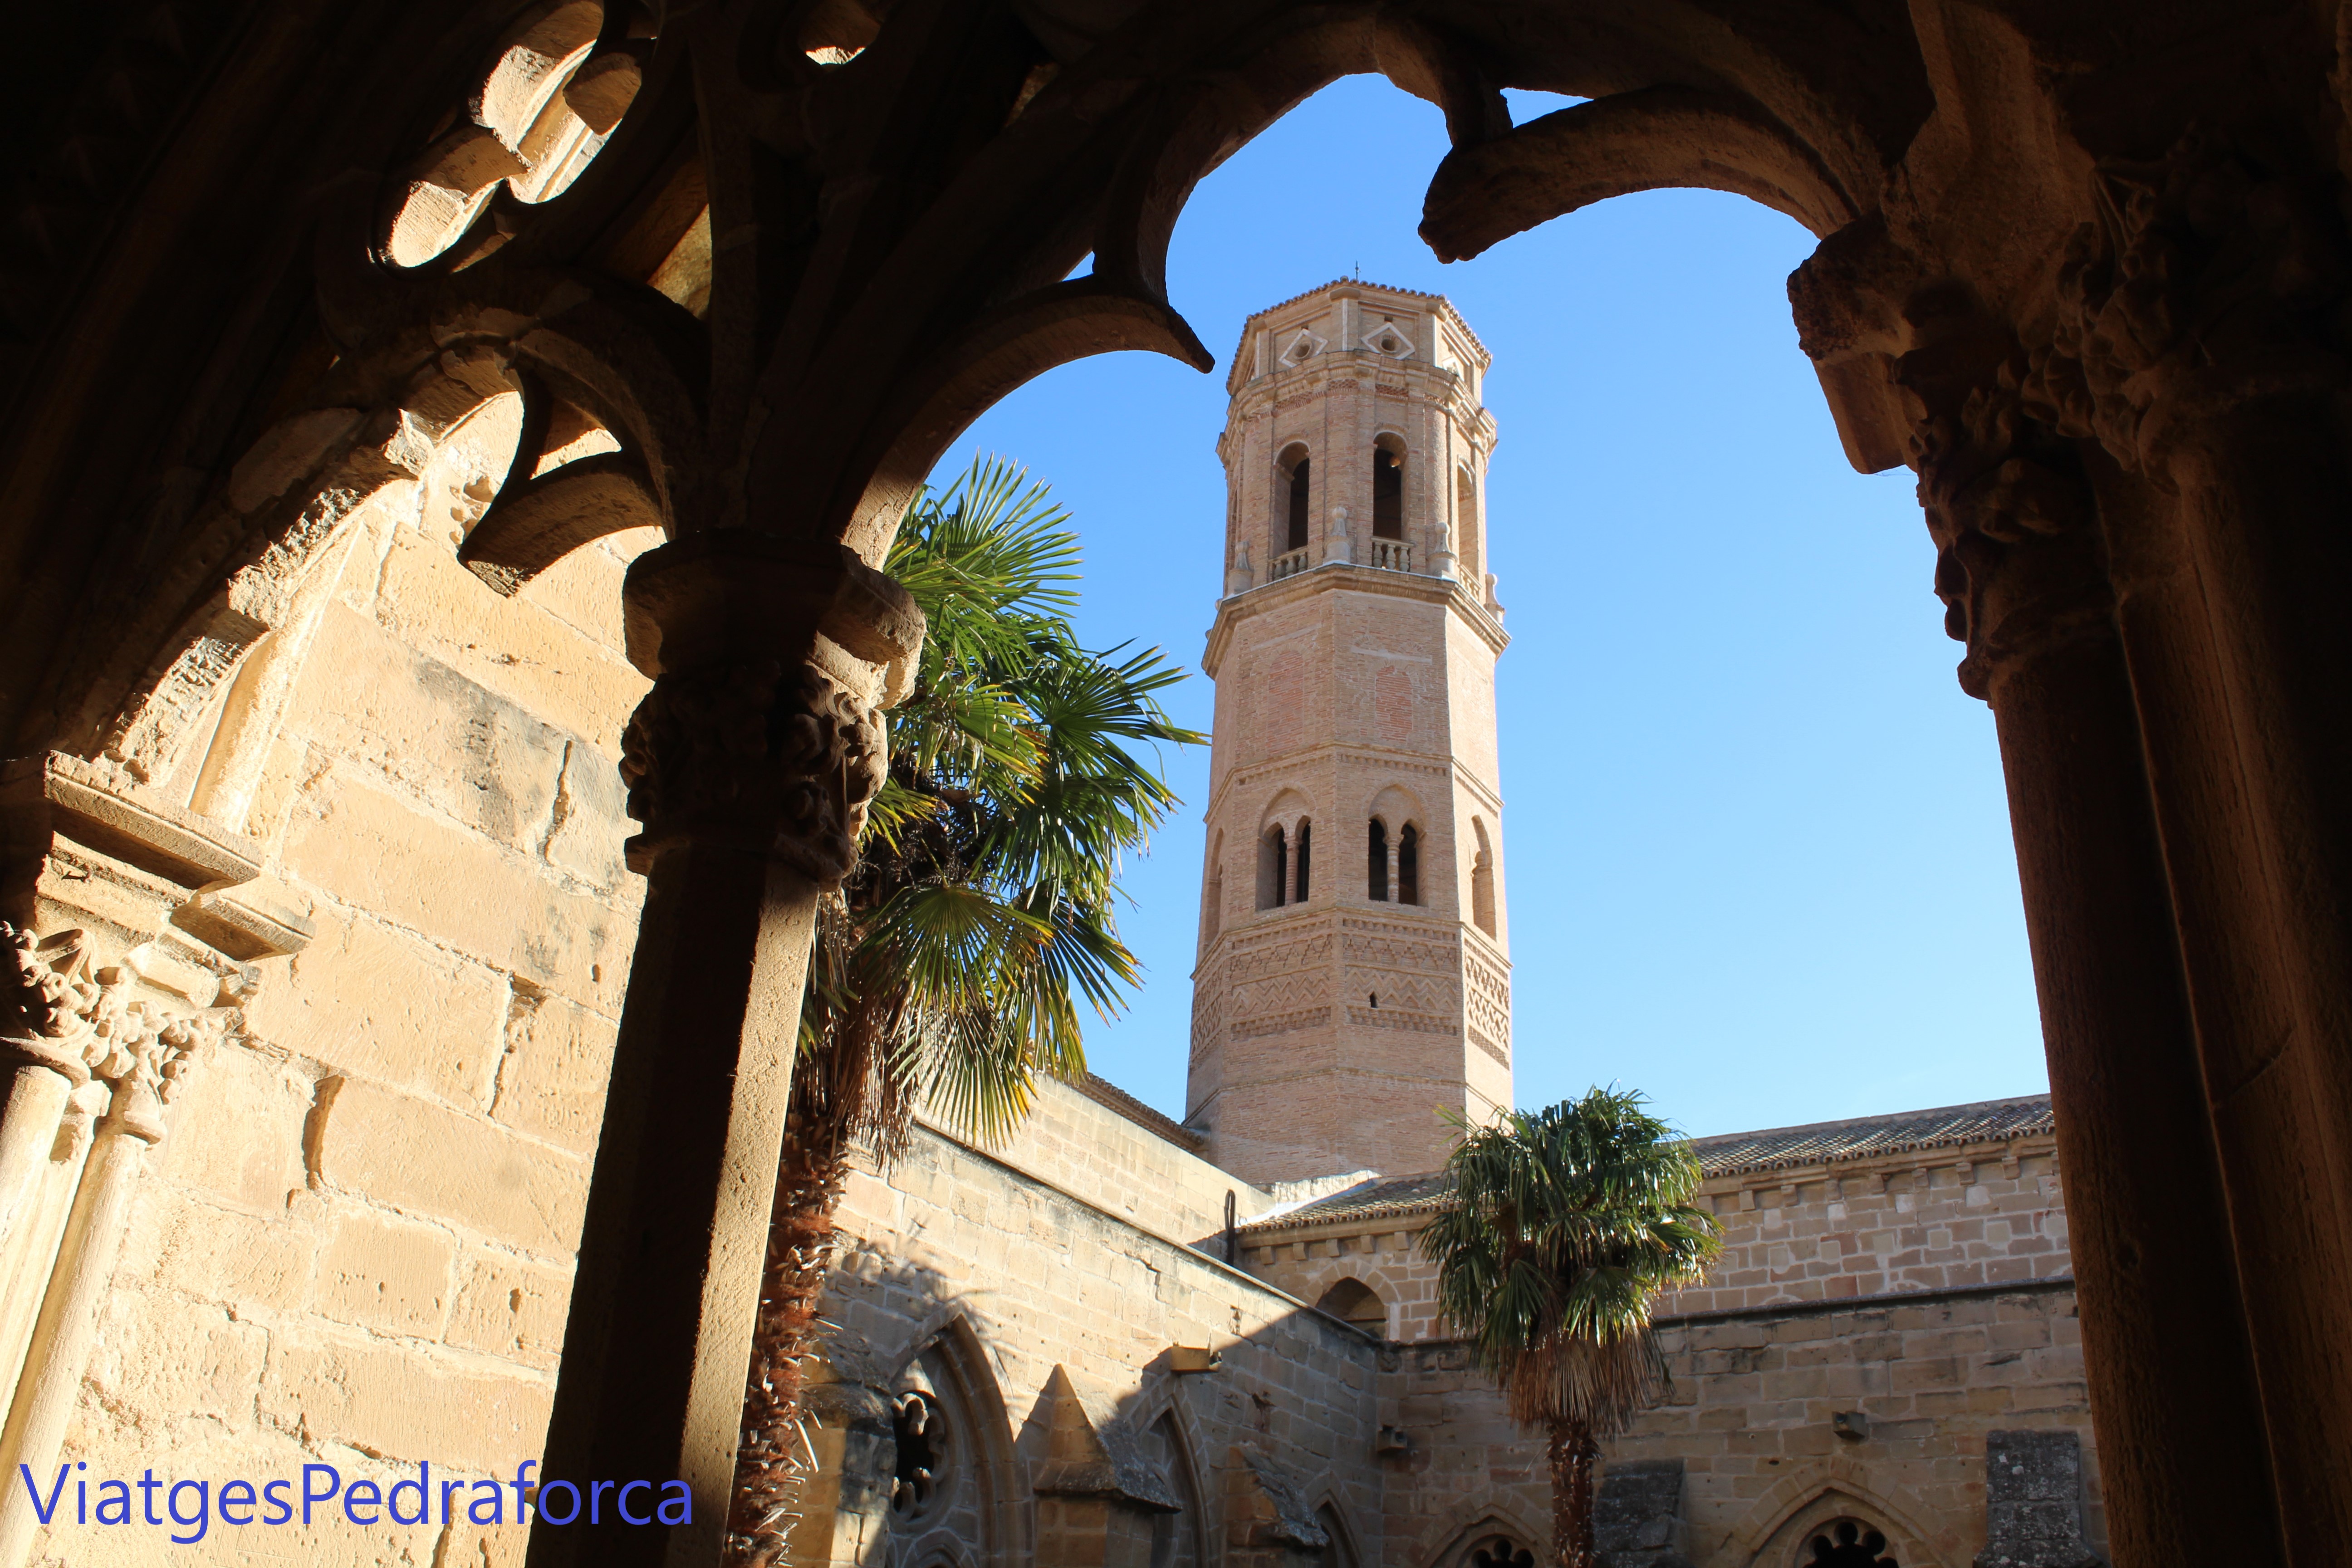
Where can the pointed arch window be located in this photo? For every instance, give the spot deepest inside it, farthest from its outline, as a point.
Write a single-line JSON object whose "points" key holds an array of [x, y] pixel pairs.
{"points": [[1409, 865], [1376, 863], [1212, 914], [1467, 543]]}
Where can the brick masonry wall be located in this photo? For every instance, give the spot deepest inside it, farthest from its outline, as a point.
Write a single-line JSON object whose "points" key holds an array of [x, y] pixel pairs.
{"points": [[356, 1245]]}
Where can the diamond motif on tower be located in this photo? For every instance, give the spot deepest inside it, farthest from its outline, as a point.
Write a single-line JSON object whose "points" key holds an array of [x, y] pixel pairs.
{"points": [[1302, 347]]}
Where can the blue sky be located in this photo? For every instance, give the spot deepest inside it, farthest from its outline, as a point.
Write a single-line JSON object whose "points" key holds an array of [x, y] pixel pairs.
{"points": [[1757, 852]]}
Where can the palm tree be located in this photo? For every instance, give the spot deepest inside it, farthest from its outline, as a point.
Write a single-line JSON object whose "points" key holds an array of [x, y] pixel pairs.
{"points": [[1565, 1224], [949, 972]]}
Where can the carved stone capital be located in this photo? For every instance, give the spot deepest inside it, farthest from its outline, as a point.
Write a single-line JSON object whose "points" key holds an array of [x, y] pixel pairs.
{"points": [[58, 1012], [771, 663], [2213, 283], [2019, 567], [775, 761]]}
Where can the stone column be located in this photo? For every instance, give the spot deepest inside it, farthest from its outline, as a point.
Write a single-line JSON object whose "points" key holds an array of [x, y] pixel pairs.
{"points": [[164, 917], [2165, 1347], [72, 1306], [750, 764], [2199, 342]]}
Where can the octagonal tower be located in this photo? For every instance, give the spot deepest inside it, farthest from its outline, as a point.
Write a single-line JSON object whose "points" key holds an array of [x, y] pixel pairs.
{"points": [[1354, 971]]}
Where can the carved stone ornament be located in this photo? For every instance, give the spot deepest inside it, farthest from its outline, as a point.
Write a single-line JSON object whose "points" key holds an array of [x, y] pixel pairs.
{"points": [[753, 754], [59, 1013], [2214, 278]]}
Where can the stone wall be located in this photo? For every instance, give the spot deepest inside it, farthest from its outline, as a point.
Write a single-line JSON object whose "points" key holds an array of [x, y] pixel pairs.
{"points": [[1763, 1421], [355, 1245], [1962, 1325], [1081, 1342], [1989, 1215]]}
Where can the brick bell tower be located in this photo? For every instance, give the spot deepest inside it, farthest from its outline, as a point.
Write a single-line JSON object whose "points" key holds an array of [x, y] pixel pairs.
{"points": [[1354, 973]]}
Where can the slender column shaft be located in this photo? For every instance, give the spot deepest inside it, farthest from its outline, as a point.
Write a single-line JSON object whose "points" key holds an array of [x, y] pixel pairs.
{"points": [[2236, 652], [69, 1326], [29, 1127], [750, 764], [660, 1329], [2182, 1455]]}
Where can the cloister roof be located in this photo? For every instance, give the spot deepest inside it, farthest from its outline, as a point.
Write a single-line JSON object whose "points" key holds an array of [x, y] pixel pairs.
{"points": [[1725, 1154]]}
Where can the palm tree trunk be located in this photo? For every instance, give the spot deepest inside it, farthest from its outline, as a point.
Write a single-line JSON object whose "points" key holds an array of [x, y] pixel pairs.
{"points": [[809, 1184], [1574, 1453]]}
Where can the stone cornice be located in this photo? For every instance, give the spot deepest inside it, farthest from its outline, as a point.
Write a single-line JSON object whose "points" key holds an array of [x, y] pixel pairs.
{"points": [[1343, 576]]}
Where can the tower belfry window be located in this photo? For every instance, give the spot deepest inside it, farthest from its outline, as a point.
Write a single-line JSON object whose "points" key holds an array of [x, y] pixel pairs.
{"points": [[1295, 533], [1273, 869], [1409, 865], [1304, 858], [1388, 495], [1376, 864]]}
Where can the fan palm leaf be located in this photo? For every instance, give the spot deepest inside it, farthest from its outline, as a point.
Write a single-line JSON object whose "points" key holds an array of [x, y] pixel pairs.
{"points": [[1565, 1224], [954, 970]]}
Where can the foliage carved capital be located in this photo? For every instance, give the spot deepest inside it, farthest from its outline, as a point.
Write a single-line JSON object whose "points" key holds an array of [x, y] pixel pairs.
{"points": [[58, 1012], [776, 760]]}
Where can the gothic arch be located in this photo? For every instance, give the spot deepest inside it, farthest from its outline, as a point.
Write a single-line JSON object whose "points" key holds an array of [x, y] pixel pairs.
{"points": [[1286, 810], [1472, 1522], [1294, 502], [1347, 1549], [1167, 1424], [295, 497], [1769, 1534], [1484, 906], [1392, 483], [949, 1345]]}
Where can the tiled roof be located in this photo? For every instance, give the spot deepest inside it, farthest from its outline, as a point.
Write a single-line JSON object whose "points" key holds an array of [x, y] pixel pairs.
{"points": [[1371, 1200], [1725, 1155], [1865, 1137]]}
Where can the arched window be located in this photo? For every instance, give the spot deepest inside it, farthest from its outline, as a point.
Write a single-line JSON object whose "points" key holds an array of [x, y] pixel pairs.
{"points": [[1376, 864], [1482, 881], [1296, 483], [1409, 865], [1847, 1544], [1353, 1302], [1213, 912], [1176, 1538], [1470, 558], [1341, 1553], [1273, 869], [1499, 1551], [1387, 492], [1304, 858]]}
